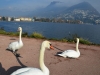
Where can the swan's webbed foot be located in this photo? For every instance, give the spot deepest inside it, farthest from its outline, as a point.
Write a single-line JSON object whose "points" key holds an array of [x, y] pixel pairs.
{"points": [[16, 54]]}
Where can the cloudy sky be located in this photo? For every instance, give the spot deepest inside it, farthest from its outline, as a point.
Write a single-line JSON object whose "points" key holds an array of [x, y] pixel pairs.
{"points": [[30, 5]]}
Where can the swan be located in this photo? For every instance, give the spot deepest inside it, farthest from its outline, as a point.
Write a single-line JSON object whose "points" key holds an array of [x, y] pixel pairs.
{"points": [[71, 53], [14, 46], [35, 71]]}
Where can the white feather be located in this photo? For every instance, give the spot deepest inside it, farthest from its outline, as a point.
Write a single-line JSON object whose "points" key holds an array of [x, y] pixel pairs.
{"points": [[71, 53]]}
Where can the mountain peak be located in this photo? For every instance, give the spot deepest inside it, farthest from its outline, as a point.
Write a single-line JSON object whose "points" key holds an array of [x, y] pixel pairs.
{"points": [[82, 5], [54, 3]]}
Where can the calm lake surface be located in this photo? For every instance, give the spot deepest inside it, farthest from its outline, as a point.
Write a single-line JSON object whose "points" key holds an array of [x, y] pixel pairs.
{"points": [[56, 30]]}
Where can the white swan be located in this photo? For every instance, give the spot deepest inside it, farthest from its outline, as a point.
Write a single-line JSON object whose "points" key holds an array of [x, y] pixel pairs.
{"points": [[71, 53], [35, 71], [14, 46]]}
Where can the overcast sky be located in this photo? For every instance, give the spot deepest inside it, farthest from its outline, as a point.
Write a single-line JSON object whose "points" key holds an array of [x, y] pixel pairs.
{"points": [[30, 5]]}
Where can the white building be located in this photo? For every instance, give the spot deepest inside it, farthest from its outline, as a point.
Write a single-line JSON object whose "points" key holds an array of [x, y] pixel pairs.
{"points": [[9, 18], [16, 19]]}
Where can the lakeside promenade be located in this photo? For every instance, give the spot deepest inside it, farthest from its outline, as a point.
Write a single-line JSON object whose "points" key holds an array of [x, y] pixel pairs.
{"points": [[87, 64]]}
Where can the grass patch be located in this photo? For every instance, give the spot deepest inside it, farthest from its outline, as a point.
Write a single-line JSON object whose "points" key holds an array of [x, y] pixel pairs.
{"points": [[37, 35], [64, 40], [12, 33], [2, 32], [25, 34], [83, 41]]}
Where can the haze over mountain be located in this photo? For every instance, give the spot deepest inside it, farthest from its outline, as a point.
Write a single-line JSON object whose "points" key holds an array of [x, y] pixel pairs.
{"points": [[27, 7], [83, 11], [53, 10]]}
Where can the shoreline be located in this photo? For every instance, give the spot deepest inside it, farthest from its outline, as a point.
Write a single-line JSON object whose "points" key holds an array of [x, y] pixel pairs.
{"points": [[37, 35], [65, 32]]}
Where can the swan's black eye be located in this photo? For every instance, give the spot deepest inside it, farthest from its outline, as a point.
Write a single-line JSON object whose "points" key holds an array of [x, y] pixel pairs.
{"points": [[50, 44]]}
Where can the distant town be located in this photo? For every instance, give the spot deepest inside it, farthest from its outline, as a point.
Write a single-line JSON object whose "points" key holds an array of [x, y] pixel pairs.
{"points": [[16, 19], [35, 19], [28, 19]]}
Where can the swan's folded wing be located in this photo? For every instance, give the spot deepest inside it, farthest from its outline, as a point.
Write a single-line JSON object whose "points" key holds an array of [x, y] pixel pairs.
{"points": [[13, 44], [72, 54], [68, 51]]}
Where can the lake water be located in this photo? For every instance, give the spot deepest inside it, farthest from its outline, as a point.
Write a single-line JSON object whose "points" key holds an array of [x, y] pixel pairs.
{"points": [[56, 30]]}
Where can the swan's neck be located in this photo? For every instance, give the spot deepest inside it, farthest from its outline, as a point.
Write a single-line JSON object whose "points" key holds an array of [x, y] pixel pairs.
{"points": [[41, 61], [77, 46], [20, 33]]}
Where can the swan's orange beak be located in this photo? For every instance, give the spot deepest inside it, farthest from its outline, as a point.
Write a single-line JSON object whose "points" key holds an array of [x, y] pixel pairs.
{"points": [[51, 47]]}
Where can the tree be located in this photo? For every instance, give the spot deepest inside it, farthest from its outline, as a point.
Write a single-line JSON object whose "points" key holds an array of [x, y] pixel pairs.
{"points": [[12, 19], [3, 19]]}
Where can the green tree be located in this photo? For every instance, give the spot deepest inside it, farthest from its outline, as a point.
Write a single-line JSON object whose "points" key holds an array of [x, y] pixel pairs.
{"points": [[12, 19], [3, 18]]}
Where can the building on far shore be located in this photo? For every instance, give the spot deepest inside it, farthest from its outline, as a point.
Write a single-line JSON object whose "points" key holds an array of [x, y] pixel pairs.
{"points": [[9, 18], [16, 19], [25, 19], [0, 17]]}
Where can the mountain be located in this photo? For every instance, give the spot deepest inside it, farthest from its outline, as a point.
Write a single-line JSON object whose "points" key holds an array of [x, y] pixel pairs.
{"points": [[84, 12], [84, 6], [51, 10]]}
